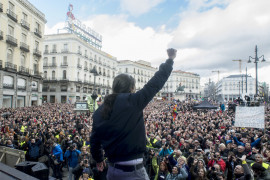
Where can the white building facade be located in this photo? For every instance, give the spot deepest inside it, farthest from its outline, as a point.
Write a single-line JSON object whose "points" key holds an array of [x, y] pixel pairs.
{"points": [[234, 86], [67, 63], [21, 38], [142, 71]]}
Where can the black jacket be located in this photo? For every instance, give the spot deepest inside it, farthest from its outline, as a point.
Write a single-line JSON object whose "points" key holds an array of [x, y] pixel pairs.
{"points": [[122, 135]]}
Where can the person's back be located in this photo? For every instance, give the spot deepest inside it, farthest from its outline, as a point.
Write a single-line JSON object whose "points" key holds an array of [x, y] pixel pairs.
{"points": [[118, 124]]}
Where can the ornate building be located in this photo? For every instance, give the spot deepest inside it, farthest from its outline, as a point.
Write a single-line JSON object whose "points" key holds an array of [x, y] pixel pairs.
{"points": [[21, 36], [68, 65]]}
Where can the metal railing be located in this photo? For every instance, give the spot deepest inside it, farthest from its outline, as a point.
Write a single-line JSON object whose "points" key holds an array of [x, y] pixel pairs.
{"points": [[37, 52], [1, 7], [24, 47], [11, 40], [11, 66], [1, 35], [12, 15], [21, 87], [8, 86], [23, 69], [64, 50], [37, 32], [25, 24]]}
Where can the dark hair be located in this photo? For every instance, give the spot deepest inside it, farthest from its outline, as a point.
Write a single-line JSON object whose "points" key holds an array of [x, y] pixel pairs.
{"points": [[123, 83]]}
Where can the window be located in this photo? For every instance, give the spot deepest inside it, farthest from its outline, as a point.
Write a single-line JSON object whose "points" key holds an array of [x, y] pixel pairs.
{"points": [[65, 60], [53, 60], [24, 16], [64, 74], [126, 70], [22, 60], [37, 26], [79, 61], [9, 56], [11, 6], [10, 30], [54, 48], [36, 45], [53, 74], [46, 48], [23, 38], [35, 67], [45, 74], [65, 47], [45, 61]]}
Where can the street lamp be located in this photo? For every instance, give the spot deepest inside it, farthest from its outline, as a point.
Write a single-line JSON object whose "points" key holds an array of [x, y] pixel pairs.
{"points": [[94, 95], [256, 60]]}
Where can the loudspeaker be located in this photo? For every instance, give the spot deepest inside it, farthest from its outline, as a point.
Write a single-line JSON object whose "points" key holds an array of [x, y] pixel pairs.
{"points": [[40, 171], [25, 166]]}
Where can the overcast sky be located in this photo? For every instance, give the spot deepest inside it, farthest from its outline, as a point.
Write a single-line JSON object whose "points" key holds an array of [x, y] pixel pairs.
{"points": [[208, 34]]}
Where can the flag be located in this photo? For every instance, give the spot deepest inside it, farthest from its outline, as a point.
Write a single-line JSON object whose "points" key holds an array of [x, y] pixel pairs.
{"points": [[174, 113]]}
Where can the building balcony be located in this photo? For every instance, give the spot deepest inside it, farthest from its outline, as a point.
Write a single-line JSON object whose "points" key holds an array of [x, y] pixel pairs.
{"points": [[24, 47], [23, 88], [37, 32], [64, 65], [54, 51], [37, 74], [1, 7], [1, 64], [79, 52], [45, 89], [53, 65], [49, 80], [64, 79], [79, 80], [11, 40], [23, 70], [52, 89], [79, 66], [10, 67], [25, 24], [8, 86], [86, 56], [37, 53], [12, 15], [1, 35], [34, 89], [85, 68], [46, 51], [64, 51]]}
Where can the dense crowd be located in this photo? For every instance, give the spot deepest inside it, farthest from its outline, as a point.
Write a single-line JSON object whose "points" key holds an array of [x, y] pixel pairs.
{"points": [[196, 144]]}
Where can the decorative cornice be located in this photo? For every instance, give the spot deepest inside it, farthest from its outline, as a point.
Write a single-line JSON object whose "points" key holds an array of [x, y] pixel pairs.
{"points": [[33, 9]]}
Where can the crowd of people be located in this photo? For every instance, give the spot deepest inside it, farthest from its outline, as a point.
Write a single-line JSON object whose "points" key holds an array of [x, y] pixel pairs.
{"points": [[194, 145]]}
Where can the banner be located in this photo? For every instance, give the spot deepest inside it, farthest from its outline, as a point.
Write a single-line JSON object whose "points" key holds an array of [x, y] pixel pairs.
{"points": [[252, 117]]}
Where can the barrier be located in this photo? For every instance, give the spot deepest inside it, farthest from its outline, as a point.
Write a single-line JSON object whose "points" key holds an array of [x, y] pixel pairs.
{"points": [[10, 156]]}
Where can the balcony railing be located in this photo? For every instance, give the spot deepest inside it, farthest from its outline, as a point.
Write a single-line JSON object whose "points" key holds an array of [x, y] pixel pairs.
{"points": [[79, 52], [8, 86], [49, 65], [37, 32], [45, 89], [25, 24], [51, 79], [1, 35], [79, 80], [11, 40], [64, 65], [1, 7], [23, 70], [21, 87], [46, 51], [64, 79], [54, 51], [65, 51], [86, 68], [52, 89], [79, 66], [37, 52], [34, 89], [24, 47], [12, 15], [86, 55], [10, 66], [1, 64]]}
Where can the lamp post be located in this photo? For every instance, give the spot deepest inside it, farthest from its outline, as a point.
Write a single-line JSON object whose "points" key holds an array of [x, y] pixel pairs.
{"points": [[256, 60], [94, 95]]}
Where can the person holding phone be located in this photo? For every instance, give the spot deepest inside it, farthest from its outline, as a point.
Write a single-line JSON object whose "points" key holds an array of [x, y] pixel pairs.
{"points": [[118, 124]]}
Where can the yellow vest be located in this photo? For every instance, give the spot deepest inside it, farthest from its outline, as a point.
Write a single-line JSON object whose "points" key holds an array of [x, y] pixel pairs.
{"points": [[265, 165], [23, 128]]}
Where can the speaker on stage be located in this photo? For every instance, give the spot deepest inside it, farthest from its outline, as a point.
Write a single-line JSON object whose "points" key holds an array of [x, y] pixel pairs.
{"points": [[25, 166], [40, 171]]}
